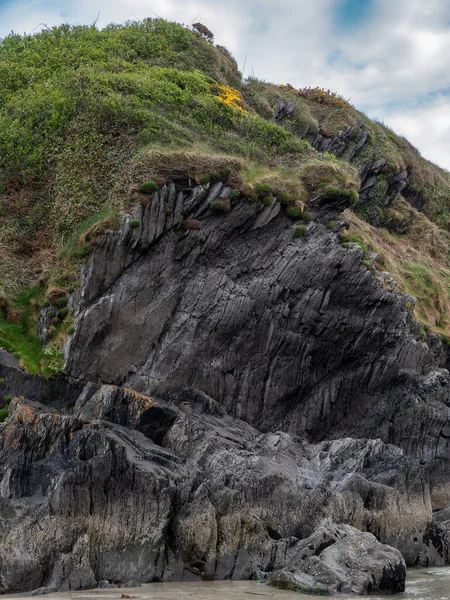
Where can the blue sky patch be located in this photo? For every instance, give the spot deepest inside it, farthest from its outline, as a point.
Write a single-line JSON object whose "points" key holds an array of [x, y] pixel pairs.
{"points": [[352, 13]]}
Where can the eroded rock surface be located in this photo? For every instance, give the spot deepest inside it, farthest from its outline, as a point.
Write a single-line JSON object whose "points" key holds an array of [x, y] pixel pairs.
{"points": [[228, 388], [129, 487], [339, 558], [290, 334]]}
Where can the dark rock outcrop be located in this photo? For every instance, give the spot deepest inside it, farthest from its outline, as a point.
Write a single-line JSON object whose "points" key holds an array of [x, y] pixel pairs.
{"points": [[287, 334], [16, 381], [283, 110], [329, 405], [392, 184], [89, 496], [347, 142], [339, 558]]}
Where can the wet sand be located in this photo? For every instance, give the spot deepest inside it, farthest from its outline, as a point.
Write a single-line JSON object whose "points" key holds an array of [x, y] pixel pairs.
{"points": [[422, 584]]}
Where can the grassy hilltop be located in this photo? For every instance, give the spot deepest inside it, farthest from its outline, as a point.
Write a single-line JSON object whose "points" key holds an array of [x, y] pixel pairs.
{"points": [[87, 116]]}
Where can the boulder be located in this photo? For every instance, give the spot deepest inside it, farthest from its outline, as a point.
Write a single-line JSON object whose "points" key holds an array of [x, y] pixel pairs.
{"points": [[339, 558]]}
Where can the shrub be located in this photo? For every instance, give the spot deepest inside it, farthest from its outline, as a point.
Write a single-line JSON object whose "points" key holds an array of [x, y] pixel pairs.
{"points": [[220, 175], [149, 187], [220, 206], [331, 224], [357, 240], [205, 178], [267, 200], [2, 381], [86, 250], [45, 304], [305, 216], [73, 287], [5, 409], [285, 199], [134, 223], [353, 197], [204, 31], [234, 194], [61, 302], [300, 231], [63, 313], [261, 189], [252, 196], [295, 212], [51, 314]]}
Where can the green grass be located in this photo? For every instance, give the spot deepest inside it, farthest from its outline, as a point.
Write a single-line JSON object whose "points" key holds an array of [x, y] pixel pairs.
{"points": [[4, 411], [89, 118], [78, 106], [20, 336]]}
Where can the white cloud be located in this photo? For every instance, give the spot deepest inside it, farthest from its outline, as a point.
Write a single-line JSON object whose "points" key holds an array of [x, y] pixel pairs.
{"points": [[427, 128], [398, 58]]}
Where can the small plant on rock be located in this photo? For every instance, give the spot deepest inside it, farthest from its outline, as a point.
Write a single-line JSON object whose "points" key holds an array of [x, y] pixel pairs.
{"points": [[294, 212], [300, 231], [192, 224], [61, 302], [261, 189], [85, 251], [285, 199], [149, 187], [5, 409], [205, 178], [252, 196], [134, 223], [267, 200], [220, 206]]}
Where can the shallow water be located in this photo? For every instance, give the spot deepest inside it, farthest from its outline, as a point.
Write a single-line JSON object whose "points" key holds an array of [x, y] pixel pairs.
{"points": [[421, 584]]}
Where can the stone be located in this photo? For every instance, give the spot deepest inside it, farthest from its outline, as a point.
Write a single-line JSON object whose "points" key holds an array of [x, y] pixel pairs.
{"points": [[284, 109], [339, 558], [43, 591], [106, 585], [131, 583]]}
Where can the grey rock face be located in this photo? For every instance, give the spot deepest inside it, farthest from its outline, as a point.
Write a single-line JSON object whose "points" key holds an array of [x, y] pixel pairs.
{"points": [[339, 558], [329, 406], [90, 496], [283, 109], [347, 142], [16, 381], [287, 334]]}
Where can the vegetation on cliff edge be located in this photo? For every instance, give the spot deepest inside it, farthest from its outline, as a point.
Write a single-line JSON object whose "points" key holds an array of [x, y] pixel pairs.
{"points": [[90, 115]]}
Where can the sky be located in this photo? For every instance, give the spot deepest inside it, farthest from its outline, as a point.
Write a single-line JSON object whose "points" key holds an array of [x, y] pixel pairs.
{"points": [[390, 58]]}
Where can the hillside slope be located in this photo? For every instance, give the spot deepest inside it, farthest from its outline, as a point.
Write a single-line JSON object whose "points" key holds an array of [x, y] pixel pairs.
{"points": [[88, 116]]}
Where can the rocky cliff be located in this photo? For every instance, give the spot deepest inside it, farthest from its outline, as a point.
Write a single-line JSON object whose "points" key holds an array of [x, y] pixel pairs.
{"points": [[229, 386], [244, 392]]}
